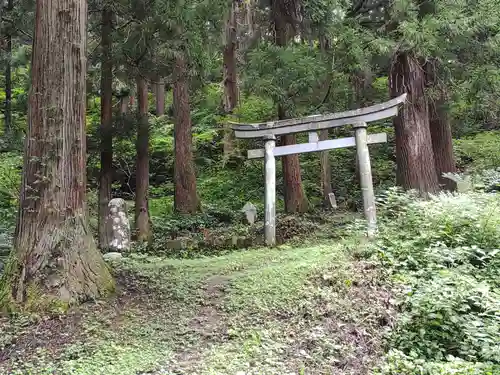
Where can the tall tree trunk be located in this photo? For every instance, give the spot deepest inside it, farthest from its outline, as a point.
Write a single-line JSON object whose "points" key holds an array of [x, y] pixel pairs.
{"points": [[124, 100], [185, 197], [55, 261], [142, 223], [8, 78], [106, 176], [160, 97], [414, 155], [442, 140], [230, 76], [361, 81], [295, 198], [326, 171]]}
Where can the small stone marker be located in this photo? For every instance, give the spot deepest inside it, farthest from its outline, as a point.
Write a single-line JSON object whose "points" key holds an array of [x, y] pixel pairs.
{"points": [[250, 212], [118, 226], [333, 201], [464, 183], [111, 257]]}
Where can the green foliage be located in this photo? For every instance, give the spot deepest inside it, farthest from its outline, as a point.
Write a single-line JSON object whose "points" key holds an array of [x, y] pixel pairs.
{"points": [[296, 307], [253, 108], [105, 358], [286, 75], [480, 151], [274, 305], [10, 182], [488, 180], [175, 224], [452, 313], [239, 185], [109, 354], [278, 284], [444, 253], [399, 363]]}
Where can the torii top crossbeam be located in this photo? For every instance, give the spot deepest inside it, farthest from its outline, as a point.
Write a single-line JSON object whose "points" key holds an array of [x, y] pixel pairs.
{"points": [[319, 122]]}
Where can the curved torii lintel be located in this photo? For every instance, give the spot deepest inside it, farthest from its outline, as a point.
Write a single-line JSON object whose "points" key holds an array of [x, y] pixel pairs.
{"points": [[317, 122]]}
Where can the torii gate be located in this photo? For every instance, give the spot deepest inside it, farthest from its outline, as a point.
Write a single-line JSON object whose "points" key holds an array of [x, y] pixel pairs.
{"points": [[311, 124]]}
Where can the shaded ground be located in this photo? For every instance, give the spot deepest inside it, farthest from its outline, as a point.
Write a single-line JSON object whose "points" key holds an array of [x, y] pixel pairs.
{"points": [[312, 309]]}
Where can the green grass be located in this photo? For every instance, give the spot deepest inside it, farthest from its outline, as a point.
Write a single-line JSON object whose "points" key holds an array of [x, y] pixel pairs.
{"points": [[256, 311]]}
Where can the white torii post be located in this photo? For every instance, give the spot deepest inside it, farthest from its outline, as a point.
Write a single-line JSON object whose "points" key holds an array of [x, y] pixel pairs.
{"points": [[365, 177], [270, 191]]}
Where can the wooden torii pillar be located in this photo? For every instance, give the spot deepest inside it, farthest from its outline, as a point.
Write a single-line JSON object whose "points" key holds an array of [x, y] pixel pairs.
{"points": [[312, 124]]}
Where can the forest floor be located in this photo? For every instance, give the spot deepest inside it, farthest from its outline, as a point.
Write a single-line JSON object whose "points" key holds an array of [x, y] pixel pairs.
{"points": [[314, 308]]}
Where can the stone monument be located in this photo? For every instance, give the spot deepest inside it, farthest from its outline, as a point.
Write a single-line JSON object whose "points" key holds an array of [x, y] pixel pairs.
{"points": [[118, 226], [250, 212]]}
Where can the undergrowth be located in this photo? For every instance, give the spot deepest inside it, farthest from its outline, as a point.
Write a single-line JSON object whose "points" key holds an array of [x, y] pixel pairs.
{"points": [[443, 253]]}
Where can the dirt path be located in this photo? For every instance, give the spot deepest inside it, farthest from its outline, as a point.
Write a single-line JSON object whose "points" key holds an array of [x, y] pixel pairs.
{"points": [[209, 326]]}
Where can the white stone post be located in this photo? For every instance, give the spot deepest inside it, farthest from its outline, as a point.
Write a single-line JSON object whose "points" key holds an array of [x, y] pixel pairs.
{"points": [[270, 191], [365, 177]]}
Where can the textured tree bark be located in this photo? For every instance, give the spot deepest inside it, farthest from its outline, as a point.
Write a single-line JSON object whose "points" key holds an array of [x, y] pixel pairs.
{"points": [[106, 176], [442, 140], [361, 81], [295, 198], [142, 223], [185, 197], [326, 172], [414, 154], [230, 76], [55, 261], [160, 97]]}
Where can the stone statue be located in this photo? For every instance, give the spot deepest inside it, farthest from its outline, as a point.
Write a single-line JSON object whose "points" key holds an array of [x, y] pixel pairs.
{"points": [[118, 226], [250, 212]]}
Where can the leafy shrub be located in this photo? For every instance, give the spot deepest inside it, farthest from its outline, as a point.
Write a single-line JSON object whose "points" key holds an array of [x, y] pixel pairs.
{"points": [[288, 227], [177, 224], [232, 188], [488, 180], [410, 225], [10, 183], [398, 363], [452, 313], [444, 253], [480, 151], [253, 108], [161, 207]]}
